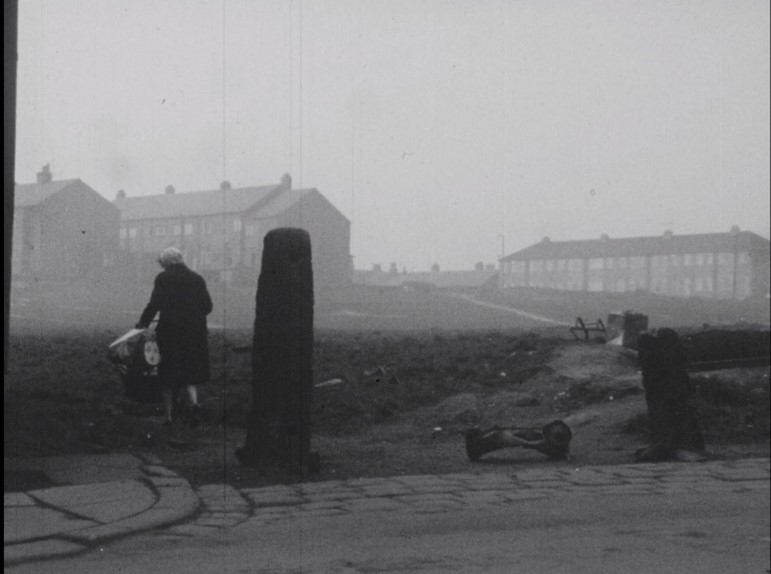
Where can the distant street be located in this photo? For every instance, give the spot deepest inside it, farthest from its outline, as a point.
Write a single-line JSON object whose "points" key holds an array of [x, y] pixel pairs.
{"points": [[704, 532]]}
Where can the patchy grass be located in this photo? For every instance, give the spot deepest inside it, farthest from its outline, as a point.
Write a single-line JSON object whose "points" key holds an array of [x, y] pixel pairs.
{"points": [[62, 395], [733, 407]]}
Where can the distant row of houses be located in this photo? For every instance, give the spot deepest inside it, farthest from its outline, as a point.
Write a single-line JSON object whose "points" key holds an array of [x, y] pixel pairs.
{"points": [[730, 265], [66, 230]]}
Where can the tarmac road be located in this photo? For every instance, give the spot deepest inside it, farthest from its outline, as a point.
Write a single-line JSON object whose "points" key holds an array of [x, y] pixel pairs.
{"points": [[707, 530]]}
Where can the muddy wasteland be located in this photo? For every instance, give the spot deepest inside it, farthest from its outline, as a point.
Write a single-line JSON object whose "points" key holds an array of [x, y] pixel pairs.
{"points": [[384, 403]]}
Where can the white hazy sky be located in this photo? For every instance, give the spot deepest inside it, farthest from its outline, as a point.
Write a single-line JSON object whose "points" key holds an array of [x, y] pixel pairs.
{"points": [[441, 128]]}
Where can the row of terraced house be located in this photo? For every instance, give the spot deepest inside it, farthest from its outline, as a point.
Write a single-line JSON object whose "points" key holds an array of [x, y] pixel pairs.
{"points": [[65, 230], [729, 265]]}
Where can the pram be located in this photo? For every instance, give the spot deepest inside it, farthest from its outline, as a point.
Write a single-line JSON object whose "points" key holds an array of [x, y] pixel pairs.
{"points": [[136, 357]]}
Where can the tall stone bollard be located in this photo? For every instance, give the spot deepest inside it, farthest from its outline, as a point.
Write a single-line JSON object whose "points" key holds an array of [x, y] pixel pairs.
{"points": [[674, 426], [278, 433]]}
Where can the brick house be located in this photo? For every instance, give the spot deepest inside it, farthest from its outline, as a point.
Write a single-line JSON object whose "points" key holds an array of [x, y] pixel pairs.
{"points": [[62, 230], [732, 265], [221, 231]]}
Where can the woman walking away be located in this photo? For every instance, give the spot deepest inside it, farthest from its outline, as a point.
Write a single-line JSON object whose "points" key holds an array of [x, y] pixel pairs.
{"points": [[182, 299]]}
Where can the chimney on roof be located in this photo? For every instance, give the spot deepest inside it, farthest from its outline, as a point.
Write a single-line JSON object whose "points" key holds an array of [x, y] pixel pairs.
{"points": [[435, 268], [668, 233], [121, 194], [377, 268], [225, 185], [735, 230], [170, 189], [546, 239], [604, 237], [286, 181], [44, 175]]}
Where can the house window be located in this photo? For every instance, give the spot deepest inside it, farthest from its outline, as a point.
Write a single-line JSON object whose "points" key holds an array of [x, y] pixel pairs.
{"points": [[725, 258], [610, 263], [576, 264], [688, 259], [237, 224], [123, 233], [132, 232], [550, 265], [159, 230], [561, 265], [637, 262], [177, 229], [622, 262], [596, 263], [188, 229], [674, 260]]}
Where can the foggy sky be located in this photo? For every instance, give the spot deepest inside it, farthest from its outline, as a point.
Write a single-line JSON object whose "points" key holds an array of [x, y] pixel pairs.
{"points": [[440, 128]]}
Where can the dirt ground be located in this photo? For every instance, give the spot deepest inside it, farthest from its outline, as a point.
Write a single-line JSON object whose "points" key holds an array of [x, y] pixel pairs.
{"points": [[596, 389]]}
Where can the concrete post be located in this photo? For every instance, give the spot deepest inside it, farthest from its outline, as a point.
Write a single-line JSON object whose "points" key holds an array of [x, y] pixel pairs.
{"points": [[278, 432], [674, 425]]}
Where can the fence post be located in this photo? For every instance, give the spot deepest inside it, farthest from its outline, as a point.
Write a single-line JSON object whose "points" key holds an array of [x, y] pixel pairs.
{"points": [[674, 425], [279, 428]]}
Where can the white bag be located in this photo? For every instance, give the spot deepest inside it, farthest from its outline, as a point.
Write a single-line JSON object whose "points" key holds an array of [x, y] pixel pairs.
{"points": [[137, 348]]}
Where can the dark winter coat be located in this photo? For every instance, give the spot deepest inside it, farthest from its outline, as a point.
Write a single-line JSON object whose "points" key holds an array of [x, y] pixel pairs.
{"points": [[182, 299]]}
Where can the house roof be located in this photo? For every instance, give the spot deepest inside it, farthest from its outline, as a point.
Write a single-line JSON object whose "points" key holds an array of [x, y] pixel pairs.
{"points": [[438, 279], [264, 201], [194, 203], [283, 201], [31, 194], [631, 246]]}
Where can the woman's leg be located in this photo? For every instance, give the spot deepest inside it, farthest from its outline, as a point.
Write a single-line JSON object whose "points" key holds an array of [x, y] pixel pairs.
{"points": [[195, 408], [168, 403]]}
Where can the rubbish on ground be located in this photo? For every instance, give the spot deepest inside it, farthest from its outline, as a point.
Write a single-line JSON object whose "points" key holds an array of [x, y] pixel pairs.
{"points": [[582, 326], [329, 383], [553, 440], [624, 328]]}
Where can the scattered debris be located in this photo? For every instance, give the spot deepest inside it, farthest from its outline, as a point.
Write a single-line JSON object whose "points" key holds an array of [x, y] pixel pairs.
{"points": [[329, 383], [624, 328], [553, 440], [583, 327], [379, 375]]}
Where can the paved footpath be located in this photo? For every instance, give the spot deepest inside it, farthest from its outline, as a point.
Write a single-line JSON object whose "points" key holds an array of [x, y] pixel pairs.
{"points": [[224, 506], [101, 497], [64, 520]]}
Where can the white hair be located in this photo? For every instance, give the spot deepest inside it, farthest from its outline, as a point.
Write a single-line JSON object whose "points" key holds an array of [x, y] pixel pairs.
{"points": [[170, 256]]}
